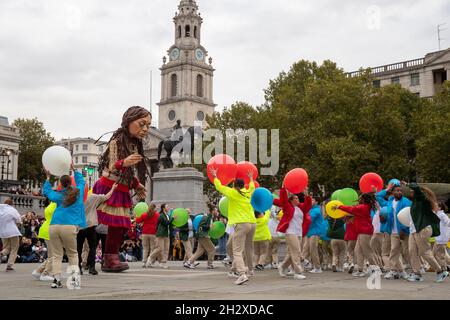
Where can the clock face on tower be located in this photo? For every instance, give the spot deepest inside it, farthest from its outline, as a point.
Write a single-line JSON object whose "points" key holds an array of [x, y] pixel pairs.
{"points": [[199, 55], [175, 53]]}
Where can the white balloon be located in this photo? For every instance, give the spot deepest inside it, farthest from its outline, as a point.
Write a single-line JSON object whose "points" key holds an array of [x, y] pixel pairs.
{"points": [[57, 160], [404, 216]]}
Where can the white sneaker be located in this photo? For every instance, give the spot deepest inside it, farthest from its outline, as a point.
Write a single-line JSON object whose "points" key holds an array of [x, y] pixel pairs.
{"points": [[36, 275], [188, 265], [359, 274], [282, 272], [233, 274], [241, 280], [403, 275], [422, 270], [74, 279], [442, 276], [274, 266], [164, 266], [290, 272], [299, 276], [415, 278], [392, 275], [45, 277], [346, 266], [316, 270]]}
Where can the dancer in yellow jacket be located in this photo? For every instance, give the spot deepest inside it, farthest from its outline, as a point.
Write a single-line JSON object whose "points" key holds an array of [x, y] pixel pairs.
{"points": [[261, 239]]}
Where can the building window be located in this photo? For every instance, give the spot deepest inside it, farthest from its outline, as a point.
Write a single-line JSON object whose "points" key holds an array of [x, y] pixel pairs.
{"points": [[395, 80], [415, 79], [76, 147], [199, 85], [172, 115], [173, 85], [85, 147], [76, 159], [200, 116], [188, 31], [195, 32], [179, 31], [376, 83], [84, 160]]}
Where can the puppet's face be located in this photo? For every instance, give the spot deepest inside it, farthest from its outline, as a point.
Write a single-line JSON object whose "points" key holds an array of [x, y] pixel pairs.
{"points": [[139, 128]]}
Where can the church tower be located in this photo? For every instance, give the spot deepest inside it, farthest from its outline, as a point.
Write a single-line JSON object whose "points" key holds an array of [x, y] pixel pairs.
{"points": [[187, 76]]}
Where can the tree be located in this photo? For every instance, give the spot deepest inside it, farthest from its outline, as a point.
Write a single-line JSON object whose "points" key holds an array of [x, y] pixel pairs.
{"points": [[35, 141]]}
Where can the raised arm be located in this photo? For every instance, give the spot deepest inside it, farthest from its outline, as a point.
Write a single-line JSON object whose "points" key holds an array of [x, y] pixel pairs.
{"points": [[226, 191], [307, 205], [281, 202], [50, 194]]}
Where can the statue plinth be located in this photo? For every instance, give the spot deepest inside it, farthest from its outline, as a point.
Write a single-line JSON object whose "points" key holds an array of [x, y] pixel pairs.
{"points": [[179, 188]]}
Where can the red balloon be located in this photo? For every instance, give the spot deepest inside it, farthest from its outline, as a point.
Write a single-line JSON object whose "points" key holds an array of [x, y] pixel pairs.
{"points": [[368, 180], [86, 188], [226, 168], [257, 185], [243, 168], [296, 180]]}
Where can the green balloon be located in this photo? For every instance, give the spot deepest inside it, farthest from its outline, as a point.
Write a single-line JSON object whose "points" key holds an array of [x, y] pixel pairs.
{"points": [[217, 230], [335, 195], [223, 206], [275, 196], [348, 196], [140, 209], [180, 217]]}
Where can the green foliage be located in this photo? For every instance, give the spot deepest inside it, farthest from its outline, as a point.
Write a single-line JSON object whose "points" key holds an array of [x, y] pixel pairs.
{"points": [[35, 141]]}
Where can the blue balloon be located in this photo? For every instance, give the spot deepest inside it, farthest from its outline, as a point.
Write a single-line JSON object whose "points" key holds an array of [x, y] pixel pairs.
{"points": [[384, 212], [196, 221], [262, 200], [394, 182]]}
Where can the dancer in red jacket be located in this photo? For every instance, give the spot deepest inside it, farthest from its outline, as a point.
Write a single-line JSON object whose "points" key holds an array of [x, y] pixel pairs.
{"points": [[364, 230], [350, 237], [149, 221], [292, 224]]}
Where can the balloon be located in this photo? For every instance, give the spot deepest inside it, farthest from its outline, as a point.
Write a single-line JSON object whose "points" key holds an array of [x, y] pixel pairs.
{"points": [[296, 180], [261, 200], [243, 168], [448, 245], [395, 182], [226, 168], [196, 221], [257, 185], [180, 217], [275, 196], [223, 206], [335, 214], [86, 188], [90, 192], [140, 208], [217, 230], [281, 235], [280, 214], [384, 212], [348, 196], [368, 180], [335, 195], [57, 160], [404, 216], [432, 240]]}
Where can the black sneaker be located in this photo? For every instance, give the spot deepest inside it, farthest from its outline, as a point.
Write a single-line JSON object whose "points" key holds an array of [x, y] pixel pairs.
{"points": [[259, 267], [333, 268], [56, 284], [350, 270]]}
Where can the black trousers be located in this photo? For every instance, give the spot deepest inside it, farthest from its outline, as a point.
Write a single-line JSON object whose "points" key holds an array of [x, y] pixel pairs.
{"points": [[91, 236], [102, 237]]}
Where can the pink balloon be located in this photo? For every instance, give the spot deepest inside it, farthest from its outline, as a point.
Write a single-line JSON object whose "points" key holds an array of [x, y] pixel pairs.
{"points": [[296, 180], [370, 180], [226, 168]]}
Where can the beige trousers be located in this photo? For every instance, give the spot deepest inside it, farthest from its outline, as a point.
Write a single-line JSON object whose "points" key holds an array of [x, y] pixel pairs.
{"points": [[386, 249], [272, 254], [10, 246], [63, 237], [351, 244], [260, 249], [230, 246], [243, 246], [204, 244], [294, 252], [420, 247], [364, 251], [377, 245], [398, 247], [439, 251], [313, 243], [46, 266], [187, 249], [161, 250], [148, 244], [325, 252], [339, 248], [305, 253]]}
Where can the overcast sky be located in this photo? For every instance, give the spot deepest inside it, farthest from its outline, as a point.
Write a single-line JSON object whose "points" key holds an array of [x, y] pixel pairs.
{"points": [[77, 65]]}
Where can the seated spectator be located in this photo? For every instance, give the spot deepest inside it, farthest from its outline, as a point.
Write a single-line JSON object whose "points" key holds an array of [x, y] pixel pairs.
{"points": [[25, 253], [40, 251]]}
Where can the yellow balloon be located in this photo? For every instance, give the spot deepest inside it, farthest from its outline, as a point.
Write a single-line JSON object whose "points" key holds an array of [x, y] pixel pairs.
{"points": [[432, 240], [280, 214], [90, 192], [448, 244], [335, 214]]}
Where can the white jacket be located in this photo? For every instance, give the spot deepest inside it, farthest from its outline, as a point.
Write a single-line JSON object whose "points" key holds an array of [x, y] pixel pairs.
{"points": [[444, 226], [9, 217]]}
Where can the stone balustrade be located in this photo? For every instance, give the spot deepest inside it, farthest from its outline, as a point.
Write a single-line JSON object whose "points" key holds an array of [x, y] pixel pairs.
{"points": [[25, 203]]}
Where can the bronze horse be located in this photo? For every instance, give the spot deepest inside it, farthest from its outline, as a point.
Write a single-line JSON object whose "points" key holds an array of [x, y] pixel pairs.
{"points": [[186, 141]]}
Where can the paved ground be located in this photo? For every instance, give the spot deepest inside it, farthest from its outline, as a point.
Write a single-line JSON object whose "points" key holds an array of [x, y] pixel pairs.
{"points": [[178, 283]]}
